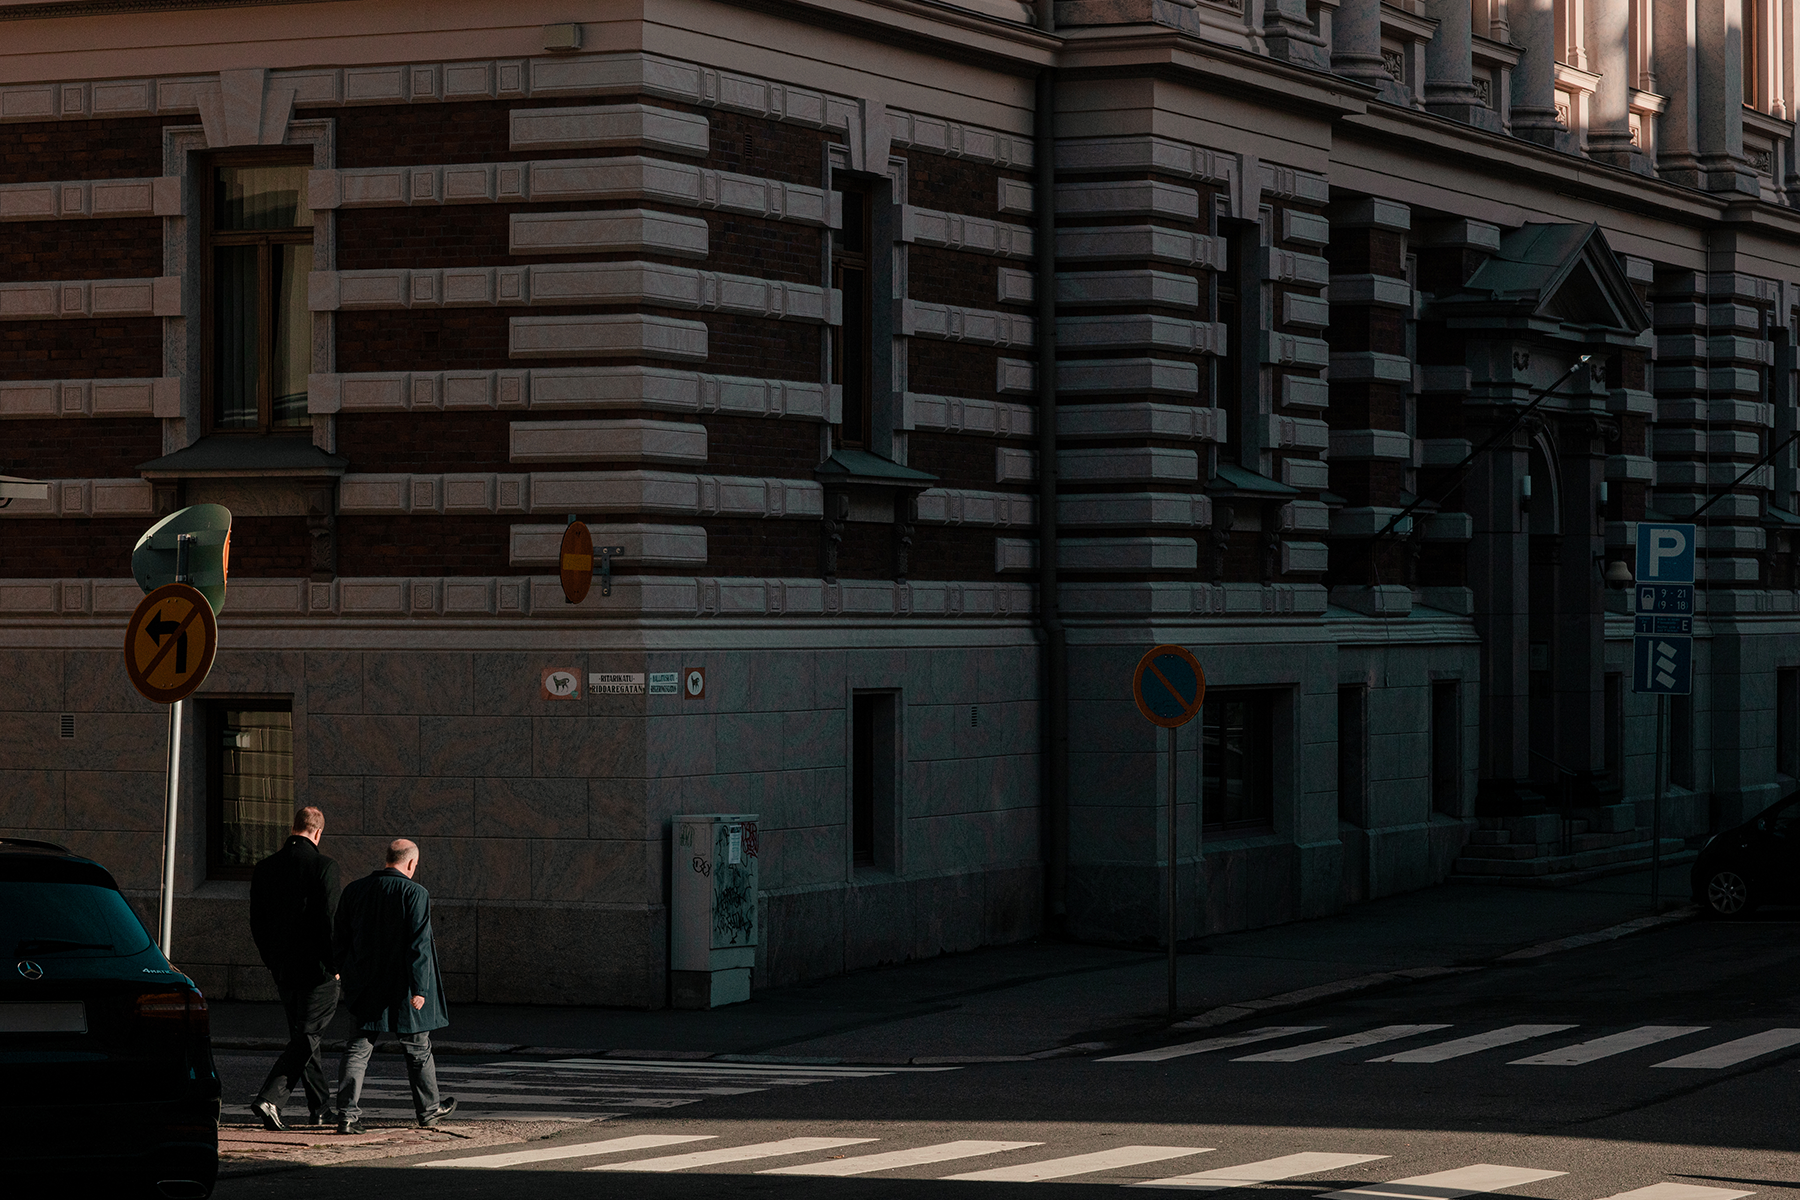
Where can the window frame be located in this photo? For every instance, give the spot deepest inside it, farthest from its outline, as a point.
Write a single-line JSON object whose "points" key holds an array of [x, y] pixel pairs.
{"points": [[843, 259], [212, 240], [212, 729], [874, 780], [1260, 725]]}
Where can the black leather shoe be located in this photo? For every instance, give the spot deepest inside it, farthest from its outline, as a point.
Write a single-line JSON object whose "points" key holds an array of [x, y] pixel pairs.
{"points": [[271, 1116], [327, 1116], [430, 1119], [356, 1126]]}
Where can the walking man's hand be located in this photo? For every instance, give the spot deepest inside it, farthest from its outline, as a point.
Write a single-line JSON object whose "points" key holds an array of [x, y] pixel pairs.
{"points": [[418, 1002]]}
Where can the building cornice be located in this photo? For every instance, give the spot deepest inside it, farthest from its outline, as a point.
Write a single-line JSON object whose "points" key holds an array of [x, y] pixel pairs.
{"points": [[935, 28], [1170, 54]]}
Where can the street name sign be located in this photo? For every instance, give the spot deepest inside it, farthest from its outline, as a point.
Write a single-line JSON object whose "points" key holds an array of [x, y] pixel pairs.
{"points": [[1663, 610], [170, 643], [1168, 686]]}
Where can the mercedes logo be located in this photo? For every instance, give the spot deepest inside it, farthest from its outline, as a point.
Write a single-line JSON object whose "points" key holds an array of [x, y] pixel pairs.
{"points": [[31, 970]]}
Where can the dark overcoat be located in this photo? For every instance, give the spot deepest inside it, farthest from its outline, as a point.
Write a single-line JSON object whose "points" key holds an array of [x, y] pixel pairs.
{"points": [[293, 896], [387, 956]]}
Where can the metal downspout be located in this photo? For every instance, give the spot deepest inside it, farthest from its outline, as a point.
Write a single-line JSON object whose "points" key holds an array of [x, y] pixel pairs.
{"points": [[1054, 760]]}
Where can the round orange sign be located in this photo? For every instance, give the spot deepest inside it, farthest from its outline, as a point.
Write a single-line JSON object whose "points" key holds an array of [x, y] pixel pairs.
{"points": [[577, 562], [170, 643]]}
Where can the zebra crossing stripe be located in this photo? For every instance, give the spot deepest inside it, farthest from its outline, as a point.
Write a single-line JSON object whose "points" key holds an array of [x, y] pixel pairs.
{"points": [[1352, 1041], [1617, 1043], [1473, 1044], [1288, 1166], [1679, 1191], [707, 1158], [1729, 1054], [1082, 1164], [1181, 1049], [618, 1145], [893, 1160], [1447, 1185]]}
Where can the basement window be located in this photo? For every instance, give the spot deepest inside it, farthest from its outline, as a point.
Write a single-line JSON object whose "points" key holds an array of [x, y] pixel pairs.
{"points": [[249, 783]]}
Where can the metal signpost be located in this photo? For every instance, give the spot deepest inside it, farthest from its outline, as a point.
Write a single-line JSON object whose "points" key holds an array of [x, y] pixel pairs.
{"points": [[1662, 651], [1169, 687], [171, 640]]}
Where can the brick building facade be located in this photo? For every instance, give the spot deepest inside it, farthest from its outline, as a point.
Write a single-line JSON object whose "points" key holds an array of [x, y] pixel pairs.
{"points": [[757, 293]]}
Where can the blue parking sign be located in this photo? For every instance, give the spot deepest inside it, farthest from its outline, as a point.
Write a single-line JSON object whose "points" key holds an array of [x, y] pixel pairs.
{"points": [[1663, 664], [1665, 553]]}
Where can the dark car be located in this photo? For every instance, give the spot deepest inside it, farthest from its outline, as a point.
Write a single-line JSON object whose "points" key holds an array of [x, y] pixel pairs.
{"points": [[106, 1063], [1755, 863]]}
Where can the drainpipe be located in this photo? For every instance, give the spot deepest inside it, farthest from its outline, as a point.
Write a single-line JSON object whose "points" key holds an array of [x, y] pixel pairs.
{"points": [[1054, 759]]}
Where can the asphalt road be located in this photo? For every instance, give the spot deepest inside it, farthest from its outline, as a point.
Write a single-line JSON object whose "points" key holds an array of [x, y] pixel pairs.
{"points": [[1595, 1118]]}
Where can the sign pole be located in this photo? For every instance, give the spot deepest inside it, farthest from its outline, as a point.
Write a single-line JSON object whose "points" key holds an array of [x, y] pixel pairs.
{"points": [[1656, 816], [1169, 687], [1173, 735], [184, 544]]}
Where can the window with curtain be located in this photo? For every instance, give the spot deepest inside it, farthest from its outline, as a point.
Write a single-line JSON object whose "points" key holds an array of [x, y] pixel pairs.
{"points": [[260, 254], [250, 783]]}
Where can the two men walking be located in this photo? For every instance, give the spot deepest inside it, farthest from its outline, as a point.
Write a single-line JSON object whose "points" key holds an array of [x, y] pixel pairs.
{"points": [[376, 939]]}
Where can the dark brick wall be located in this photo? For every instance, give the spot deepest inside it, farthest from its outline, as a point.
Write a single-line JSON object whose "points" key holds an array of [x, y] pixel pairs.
{"points": [[115, 148], [73, 548], [107, 348], [126, 248], [745, 546], [425, 442], [759, 446], [270, 547], [424, 545], [1367, 252], [79, 447]]}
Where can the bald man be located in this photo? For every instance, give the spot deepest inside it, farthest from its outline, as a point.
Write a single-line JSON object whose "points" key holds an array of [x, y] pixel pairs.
{"points": [[388, 960]]}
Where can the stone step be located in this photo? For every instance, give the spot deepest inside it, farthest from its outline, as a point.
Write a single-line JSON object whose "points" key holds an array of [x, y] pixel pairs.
{"points": [[1628, 855]]}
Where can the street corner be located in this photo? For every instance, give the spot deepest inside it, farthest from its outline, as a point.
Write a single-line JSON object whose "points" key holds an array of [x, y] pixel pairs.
{"points": [[249, 1149]]}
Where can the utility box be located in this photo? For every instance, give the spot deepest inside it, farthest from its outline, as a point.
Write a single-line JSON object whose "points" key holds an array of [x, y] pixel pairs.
{"points": [[712, 909]]}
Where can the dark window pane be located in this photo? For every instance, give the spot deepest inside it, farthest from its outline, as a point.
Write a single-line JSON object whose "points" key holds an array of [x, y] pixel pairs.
{"points": [[256, 784], [1446, 747], [852, 356], [862, 780], [88, 920], [1239, 757], [235, 342], [263, 197], [1353, 754], [291, 356], [853, 237]]}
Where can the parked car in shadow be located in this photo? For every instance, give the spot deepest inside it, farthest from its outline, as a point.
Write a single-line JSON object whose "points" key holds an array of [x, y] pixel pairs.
{"points": [[1752, 864], [105, 1048]]}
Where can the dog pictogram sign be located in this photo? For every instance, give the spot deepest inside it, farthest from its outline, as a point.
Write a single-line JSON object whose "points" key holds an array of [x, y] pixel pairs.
{"points": [[170, 643]]}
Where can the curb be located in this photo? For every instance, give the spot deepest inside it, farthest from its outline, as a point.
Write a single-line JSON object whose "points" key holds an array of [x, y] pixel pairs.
{"points": [[1362, 983], [1222, 1015]]}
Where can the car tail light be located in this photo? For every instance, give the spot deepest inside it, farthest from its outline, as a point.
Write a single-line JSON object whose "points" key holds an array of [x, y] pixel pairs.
{"points": [[174, 1012]]}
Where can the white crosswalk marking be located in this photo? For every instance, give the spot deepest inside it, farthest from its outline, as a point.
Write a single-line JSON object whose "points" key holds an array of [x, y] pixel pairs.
{"points": [[1679, 1191], [618, 1145], [708, 1158], [1181, 1049], [1288, 1166], [893, 1160], [1606, 1047], [587, 1088], [1447, 1185], [1473, 1044], [1082, 1164], [1729, 1054], [1352, 1041]]}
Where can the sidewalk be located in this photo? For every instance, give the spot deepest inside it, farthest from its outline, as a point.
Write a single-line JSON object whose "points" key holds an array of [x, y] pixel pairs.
{"points": [[1041, 998]]}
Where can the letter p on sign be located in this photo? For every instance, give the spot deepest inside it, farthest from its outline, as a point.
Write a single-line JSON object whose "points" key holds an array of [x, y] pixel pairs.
{"points": [[1665, 553]]}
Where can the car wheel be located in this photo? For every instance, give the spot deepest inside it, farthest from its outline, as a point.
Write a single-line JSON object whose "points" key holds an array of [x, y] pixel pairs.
{"points": [[1727, 895]]}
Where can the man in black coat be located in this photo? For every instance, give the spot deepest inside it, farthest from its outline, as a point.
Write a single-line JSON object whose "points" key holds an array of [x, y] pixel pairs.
{"points": [[391, 982], [293, 898]]}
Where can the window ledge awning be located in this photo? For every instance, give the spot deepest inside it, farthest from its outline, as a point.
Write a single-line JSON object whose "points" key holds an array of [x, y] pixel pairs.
{"points": [[871, 470], [1235, 481], [246, 457], [1781, 516]]}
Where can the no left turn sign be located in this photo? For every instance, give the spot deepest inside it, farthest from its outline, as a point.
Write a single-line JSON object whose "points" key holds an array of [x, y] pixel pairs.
{"points": [[170, 643]]}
